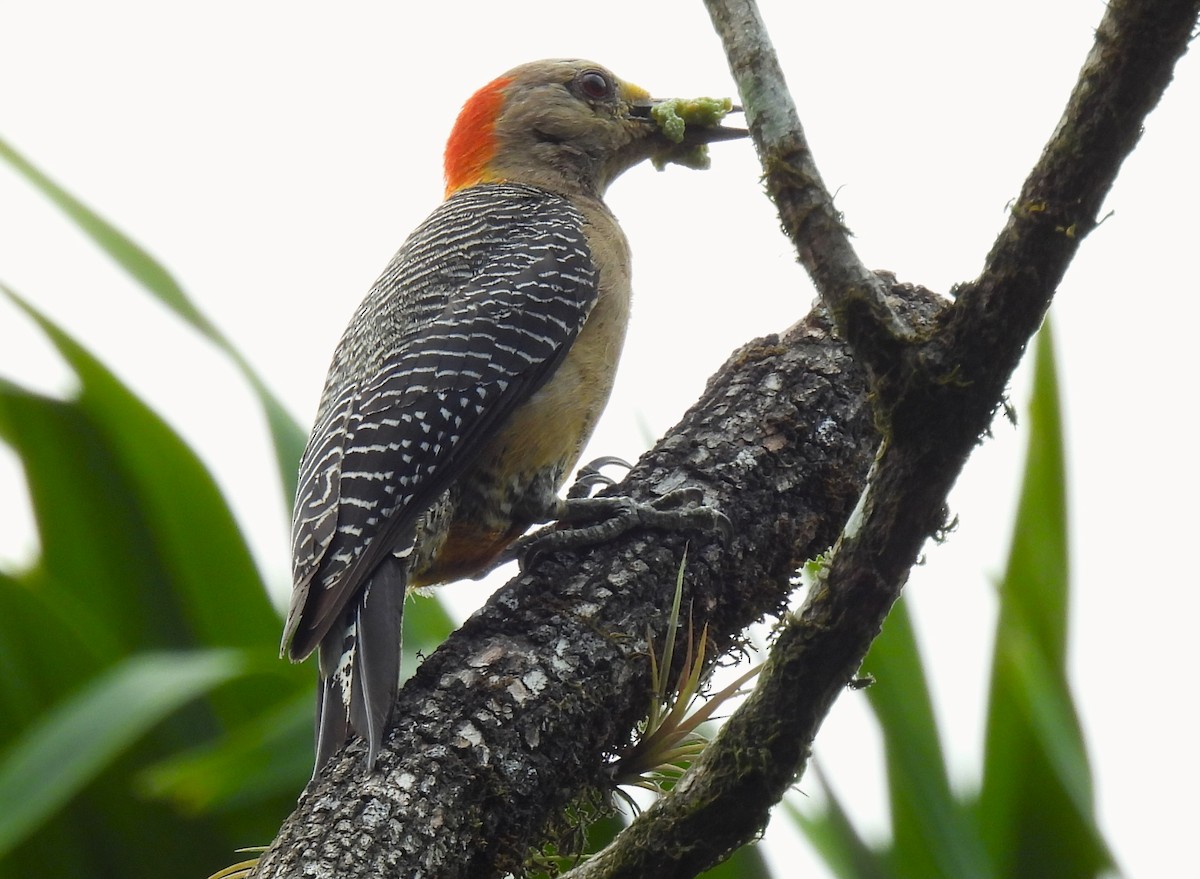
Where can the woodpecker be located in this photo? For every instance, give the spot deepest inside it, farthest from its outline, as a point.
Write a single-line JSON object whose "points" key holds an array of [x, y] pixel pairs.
{"points": [[469, 379]]}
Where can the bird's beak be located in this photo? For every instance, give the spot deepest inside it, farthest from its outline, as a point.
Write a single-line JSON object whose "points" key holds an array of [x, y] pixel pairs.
{"points": [[694, 134]]}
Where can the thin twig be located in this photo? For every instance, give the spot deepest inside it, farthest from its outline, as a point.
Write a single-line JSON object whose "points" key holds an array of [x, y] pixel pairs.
{"points": [[853, 293]]}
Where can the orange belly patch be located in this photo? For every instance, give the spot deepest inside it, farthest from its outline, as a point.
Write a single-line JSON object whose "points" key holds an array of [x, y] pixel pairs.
{"points": [[469, 549]]}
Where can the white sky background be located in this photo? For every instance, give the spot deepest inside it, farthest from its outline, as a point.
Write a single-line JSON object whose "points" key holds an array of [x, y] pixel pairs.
{"points": [[273, 155]]}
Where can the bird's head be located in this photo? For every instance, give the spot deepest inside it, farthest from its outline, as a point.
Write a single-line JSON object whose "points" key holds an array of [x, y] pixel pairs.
{"points": [[568, 125]]}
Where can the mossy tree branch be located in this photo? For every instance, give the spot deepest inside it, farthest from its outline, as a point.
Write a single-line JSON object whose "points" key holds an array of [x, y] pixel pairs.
{"points": [[938, 390], [513, 719]]}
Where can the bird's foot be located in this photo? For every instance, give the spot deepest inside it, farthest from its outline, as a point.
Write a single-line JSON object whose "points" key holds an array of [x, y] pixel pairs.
{"points": [[610, 517], [590, 476]]}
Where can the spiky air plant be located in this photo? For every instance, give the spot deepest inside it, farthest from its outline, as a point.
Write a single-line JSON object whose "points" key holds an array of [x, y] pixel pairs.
{"points": [[241, 869], [669, 738]]}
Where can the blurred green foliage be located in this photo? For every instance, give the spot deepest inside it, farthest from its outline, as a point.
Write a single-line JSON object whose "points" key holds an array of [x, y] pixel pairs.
{"points": [[148, 727]]}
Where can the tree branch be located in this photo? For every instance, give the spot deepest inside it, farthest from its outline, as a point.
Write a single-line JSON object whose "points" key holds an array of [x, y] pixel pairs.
{"points": [[853, 293], [513, 718], [940, 403]]}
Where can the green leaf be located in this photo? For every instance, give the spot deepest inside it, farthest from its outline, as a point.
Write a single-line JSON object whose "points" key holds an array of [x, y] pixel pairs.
{"points": [[98, 558], [141, 551], [263, 757], [933, 834], [745, 863], [59, 754], [835, 838], [1035, 806], [426, 626], [137, 461], [288, 436]]}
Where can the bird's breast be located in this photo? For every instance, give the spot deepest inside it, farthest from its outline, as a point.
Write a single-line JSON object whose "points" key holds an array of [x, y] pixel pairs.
{"points": [[521, 469]]}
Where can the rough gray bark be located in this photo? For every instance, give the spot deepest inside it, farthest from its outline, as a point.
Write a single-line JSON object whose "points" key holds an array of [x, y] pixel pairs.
{"points": [[512, 719]]}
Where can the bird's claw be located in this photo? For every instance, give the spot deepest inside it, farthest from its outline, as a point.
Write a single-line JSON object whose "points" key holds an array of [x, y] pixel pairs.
{"points": [[677, 510], [590, 476]]}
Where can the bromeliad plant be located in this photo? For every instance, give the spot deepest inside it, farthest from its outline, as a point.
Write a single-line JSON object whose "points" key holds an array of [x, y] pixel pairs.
{"points": [[669, 738]]}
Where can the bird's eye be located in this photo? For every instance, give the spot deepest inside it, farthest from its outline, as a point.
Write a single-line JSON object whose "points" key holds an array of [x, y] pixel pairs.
{"points": [[594, 85]]}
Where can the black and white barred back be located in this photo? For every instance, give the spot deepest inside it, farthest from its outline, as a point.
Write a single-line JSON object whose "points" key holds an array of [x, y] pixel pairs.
{"points": [[471, 316]]}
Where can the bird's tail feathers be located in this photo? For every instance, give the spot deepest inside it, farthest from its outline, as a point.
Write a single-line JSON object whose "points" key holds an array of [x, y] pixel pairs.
{"points": [[360, 666]]}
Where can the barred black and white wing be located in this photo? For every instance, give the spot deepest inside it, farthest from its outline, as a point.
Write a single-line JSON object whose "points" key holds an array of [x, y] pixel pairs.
{"points": [[471, 316]]}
